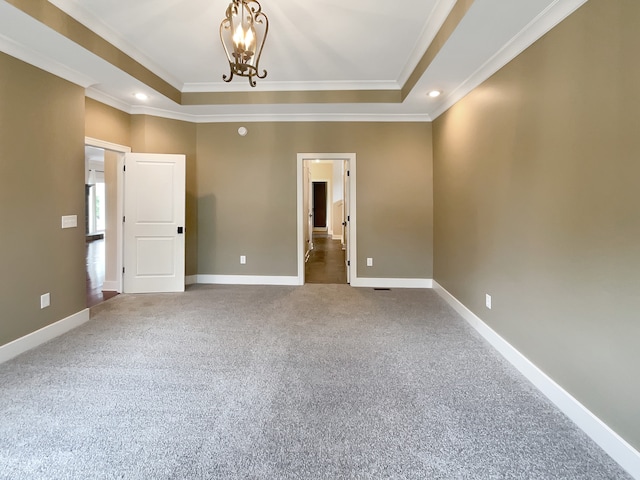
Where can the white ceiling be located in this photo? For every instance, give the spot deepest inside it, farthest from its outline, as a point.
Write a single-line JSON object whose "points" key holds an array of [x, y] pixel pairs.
{"points": [[319, 45]]}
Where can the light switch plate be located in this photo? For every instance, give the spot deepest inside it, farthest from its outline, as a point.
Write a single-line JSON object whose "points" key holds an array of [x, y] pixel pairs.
{"points": [[69, 221], [45, 300]]}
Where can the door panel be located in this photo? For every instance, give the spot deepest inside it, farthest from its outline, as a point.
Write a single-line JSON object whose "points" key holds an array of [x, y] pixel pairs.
{"points": [[154, 202]]}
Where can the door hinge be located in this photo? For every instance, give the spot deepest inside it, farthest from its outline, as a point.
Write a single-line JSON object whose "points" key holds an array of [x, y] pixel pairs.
{"points": [[122, 269], [124, 168], [348, 263], [348, 173], [348, 218], [123, 217]]}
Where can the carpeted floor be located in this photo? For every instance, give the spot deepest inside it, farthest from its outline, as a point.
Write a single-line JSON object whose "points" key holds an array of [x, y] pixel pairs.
{"points": [[313, 382]]}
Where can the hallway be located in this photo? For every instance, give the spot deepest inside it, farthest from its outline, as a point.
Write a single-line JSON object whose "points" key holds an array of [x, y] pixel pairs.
{"points": [[95, 273], [326, 262]]}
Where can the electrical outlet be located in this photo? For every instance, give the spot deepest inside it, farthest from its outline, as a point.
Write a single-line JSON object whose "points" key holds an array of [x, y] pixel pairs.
{"points": [[369, 262], [243, 259], [487, 301], [45, 300]]}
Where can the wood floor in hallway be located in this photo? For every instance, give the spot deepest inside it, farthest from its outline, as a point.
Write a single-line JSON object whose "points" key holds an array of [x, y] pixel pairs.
{"points": [[326, 262], [95, 273]]}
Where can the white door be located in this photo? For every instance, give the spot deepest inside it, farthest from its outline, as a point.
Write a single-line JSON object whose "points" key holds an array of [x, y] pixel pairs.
{"points": [[347, 218], [154, 204]]}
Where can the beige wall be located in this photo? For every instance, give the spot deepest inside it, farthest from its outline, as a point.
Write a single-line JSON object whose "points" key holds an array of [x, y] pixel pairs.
{"points": [[107, 123], [41, 179], [247, 195], [536, 203]]}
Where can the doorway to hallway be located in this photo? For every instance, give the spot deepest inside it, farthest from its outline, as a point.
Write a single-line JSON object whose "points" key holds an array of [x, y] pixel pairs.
{"points": [[338, 173]]}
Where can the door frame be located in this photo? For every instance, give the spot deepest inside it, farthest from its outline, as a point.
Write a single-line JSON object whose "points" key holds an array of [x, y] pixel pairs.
{"points": [[350, 159], [120, 150]]}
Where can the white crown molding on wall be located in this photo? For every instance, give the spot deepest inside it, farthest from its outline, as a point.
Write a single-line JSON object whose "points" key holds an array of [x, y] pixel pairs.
{"points": [[533, 31], [75, 10], [101, 97], [623, 453], [30, 56], [229, 118], [431, 28], [290, 86]]}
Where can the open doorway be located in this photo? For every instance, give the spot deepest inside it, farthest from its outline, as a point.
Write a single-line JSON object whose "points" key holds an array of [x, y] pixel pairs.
{"points": [[103, 196], [98, 196], [326, 217]]}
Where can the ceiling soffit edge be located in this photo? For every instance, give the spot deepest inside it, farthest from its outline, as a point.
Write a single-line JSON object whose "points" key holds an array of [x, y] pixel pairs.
{"points": [[51, 15], [56, 19], [534, 30], [96, 25]]}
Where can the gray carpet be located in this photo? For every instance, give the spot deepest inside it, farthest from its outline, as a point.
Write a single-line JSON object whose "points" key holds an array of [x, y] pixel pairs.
{"points": [[313, 382]]}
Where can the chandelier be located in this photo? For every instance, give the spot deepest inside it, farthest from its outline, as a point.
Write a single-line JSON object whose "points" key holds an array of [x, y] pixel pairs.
{"points": [[242, 33]]}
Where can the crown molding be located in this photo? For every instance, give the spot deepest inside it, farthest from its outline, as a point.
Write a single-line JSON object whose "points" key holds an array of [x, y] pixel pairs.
{"points": [[206, 87], [93, 23], [101, 97], [431, 28], [250, 118], [32, 57], [543, 23], [275, 117]]}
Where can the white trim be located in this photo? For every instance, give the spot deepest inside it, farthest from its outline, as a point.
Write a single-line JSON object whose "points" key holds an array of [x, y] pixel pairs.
{"points": [[246, 280], [603, 435], [348, 85], [34, 339], [110, 286], [336, 237], [432, 26], [536, 28], [32, 57], [190, 279], [391, 282], [95, 142], [102, 97], [95, 24]]}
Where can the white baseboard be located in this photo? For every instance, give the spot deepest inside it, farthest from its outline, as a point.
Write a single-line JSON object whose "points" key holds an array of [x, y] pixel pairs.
{"points": [[109, 286], [623, 453], [247, 280], [392, 282], [190, 279], [34, 339], [337, 237]]}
